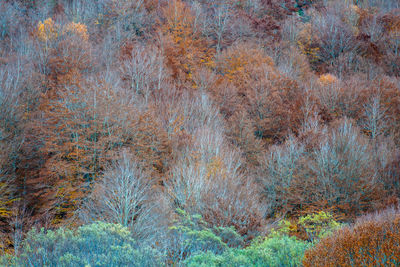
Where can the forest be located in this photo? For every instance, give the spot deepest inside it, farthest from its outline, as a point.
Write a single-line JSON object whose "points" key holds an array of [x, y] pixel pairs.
{"points": [[199, 133]]}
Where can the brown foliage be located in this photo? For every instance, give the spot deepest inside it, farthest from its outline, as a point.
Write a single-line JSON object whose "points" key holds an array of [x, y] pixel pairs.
{"points": [[273, 101], [79, 133]]}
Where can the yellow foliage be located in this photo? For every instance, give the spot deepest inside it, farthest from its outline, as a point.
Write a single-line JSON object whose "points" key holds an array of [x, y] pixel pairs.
{"points": [[69, 196], [216, 166], [327, 79], [47, 30], [77, 29], [6, 201], [305, 43], [4, 212]]}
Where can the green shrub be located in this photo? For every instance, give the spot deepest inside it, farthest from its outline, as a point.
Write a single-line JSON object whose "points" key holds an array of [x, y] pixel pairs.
{"points": [[278, 250], [190, 234], [311, 227], [97, 244], [318, 225]]}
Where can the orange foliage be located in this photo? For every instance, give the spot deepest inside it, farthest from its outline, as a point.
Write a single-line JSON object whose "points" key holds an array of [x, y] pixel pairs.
{"points": [[273, 101], [185, 49], [78, 29], [327, 79], [373, 241], [239, 61]]}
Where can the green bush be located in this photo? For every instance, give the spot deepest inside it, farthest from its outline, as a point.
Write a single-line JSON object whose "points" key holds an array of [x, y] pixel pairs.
{"points": [[97, 244], [318, 225], [311, 227], [190, 234], [278, 250]]}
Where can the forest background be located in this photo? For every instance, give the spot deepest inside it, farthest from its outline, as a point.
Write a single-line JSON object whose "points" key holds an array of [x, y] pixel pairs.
{"points": [[236, 132]]}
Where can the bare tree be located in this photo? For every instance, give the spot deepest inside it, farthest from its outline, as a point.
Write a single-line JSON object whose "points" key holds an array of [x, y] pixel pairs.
{"points": [[328, 94], [374, 122], [279, 170], [122, 195], [144, 71], [337, 171], [334, 37], [209, 180], [20, 222], [222, 15]]}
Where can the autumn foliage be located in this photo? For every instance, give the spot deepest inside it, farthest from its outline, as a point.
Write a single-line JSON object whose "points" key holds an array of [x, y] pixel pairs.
{"points": [[372, 241], [201, 125]]}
